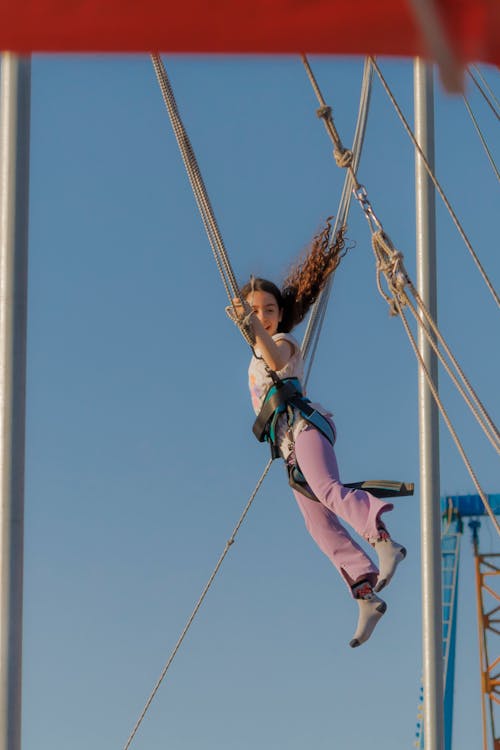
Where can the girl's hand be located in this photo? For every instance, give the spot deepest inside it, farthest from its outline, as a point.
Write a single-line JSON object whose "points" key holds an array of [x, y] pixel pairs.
{"points": [[275, 353], [242, 307], [238, 310]]}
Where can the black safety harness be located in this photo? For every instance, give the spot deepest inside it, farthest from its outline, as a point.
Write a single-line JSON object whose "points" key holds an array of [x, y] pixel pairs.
{"points": [[283, 397]]}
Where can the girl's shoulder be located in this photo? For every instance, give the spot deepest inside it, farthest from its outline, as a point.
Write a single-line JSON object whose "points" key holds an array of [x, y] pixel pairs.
{"points": [[287, 337]]}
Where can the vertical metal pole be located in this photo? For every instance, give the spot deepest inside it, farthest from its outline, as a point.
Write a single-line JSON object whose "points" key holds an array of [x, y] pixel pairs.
{"points": [[14, 187], [428, 419]]}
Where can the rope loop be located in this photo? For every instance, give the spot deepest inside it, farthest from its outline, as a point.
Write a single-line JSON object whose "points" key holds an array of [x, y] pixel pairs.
{"points": [[390, 264], [242, 321]]}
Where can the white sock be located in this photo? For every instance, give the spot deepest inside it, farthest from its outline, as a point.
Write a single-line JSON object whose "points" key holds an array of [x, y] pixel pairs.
{"points": [[371, 609], [390, 555]]}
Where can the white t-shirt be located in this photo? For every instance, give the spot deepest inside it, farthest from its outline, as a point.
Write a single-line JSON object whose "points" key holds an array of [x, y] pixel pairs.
{"points": [[259, 382]]}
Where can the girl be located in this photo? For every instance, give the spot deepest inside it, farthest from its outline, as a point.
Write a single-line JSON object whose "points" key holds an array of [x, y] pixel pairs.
{"points": [[304, 438]]}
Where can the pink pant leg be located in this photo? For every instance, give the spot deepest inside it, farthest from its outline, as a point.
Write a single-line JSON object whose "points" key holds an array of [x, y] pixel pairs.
{"points": [[316, 458], [348, 557], [360, 509]]}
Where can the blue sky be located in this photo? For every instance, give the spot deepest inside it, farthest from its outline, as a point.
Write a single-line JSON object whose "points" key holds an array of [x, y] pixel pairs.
{"points": [[140, 456]]}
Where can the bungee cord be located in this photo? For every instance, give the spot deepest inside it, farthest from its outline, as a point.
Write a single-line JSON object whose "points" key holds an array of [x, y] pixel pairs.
{"points": [[318, 311], [232, 291], [200, 192], [437, 185], [348, 159], [390, 265]]}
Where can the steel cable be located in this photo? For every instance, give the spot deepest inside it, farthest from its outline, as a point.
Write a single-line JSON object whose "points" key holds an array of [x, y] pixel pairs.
{"points": [[493, 103], [482, 138]]}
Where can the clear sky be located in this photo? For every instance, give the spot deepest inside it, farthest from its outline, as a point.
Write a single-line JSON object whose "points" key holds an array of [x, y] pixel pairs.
{"points": [[140, 456]]}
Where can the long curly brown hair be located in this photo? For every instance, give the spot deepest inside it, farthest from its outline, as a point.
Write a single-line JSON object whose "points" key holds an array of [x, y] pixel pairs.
{"points": [[306, 278]]}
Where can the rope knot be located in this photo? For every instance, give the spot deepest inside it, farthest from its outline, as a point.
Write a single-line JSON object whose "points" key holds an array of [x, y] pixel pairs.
{"points": [[324, 112], [390, 264], [343, 157]]}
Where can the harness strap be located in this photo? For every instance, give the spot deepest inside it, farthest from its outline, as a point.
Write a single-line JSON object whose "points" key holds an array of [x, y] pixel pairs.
{"points": [[275, 402], [314, 417], [283, 394], [288, 393], [386, 488]]}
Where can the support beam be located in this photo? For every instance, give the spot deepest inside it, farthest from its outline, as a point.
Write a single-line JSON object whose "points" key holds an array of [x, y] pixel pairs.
{"points": [[428, 418], [14, 190]]}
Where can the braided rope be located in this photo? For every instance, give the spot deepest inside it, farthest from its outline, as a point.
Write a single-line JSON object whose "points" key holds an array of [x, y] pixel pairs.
{"points": [[232, 291], [446, 418], [194, 175], [437, 185], [473, 395], [317, 316], [343, 156], [345, 159], [390, 264], [200, 193]]}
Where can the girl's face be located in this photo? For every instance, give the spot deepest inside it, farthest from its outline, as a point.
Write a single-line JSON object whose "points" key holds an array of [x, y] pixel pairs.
{"points": [[266, 308]]}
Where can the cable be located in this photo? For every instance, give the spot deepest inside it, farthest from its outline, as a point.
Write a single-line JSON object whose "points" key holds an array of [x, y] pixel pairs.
{"points": [[493, 103], [200, 192], [436, 183], [390, 265], [231, 287], [318, 312], [482, 138], [197, 606]]}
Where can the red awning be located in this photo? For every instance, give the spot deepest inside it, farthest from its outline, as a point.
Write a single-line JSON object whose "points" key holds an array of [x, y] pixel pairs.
{"points": [[340, 27]]}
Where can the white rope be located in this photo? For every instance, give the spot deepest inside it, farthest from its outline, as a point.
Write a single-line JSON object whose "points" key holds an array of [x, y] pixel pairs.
{"points": [[344, 158], [390, 265], [200, 192], [197, 606], [436, 183], [433, 389], [232, 291], [316, 318]]}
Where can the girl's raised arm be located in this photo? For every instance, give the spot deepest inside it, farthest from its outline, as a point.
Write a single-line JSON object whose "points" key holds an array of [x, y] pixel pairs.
{"points": [[276, 354], [263, 319]]}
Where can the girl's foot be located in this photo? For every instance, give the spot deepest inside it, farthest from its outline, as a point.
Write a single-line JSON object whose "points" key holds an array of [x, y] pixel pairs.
{"points": [[371, 609], [390, 555]]}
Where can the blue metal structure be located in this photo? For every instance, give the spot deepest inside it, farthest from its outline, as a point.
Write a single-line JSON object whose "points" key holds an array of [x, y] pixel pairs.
{"points": [[454, 508]]}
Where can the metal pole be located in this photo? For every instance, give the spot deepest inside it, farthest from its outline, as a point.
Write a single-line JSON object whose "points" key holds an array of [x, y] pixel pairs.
{"points": [[428, 419], [14, 187]]}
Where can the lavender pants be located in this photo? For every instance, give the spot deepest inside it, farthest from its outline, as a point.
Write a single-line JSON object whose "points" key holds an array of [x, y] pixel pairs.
{"points": [[360, 509]]}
